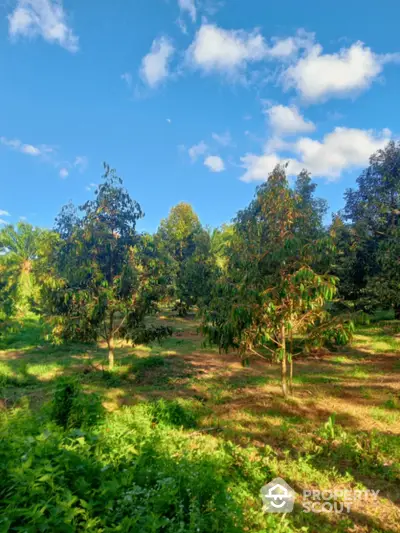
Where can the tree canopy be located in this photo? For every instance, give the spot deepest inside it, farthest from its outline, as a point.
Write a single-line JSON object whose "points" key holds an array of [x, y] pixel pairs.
{"points": [[100, 279]]}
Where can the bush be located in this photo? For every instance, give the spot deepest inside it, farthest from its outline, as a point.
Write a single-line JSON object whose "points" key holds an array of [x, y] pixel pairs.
{"points": [[127, 476], [178, 413], [71, 408]]}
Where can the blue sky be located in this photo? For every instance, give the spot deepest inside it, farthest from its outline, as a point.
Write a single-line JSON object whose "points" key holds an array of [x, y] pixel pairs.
{"points": [[190, 100]]}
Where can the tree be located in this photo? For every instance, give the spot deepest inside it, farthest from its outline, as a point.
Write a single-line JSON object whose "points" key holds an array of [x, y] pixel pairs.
{"points": [[310, 224], [271, 292], [19, 248], [183, 238], [373, 212], [221, 240], [195, 279], [100, 280], [179, 230]]}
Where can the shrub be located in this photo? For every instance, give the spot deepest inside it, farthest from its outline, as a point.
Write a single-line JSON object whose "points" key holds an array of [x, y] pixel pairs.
{"points": [[127, 476], [178, 413], [71, 408]]}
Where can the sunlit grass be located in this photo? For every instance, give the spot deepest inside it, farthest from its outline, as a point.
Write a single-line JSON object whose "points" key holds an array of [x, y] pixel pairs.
{"points": [[383, 415], [244, 405]]}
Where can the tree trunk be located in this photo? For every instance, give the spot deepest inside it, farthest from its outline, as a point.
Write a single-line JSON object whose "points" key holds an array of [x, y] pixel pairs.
{"points": [[397, 312], [284, 363], [110, 344], [291, 364]]}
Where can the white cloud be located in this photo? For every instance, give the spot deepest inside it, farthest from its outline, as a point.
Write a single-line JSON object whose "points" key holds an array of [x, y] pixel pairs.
{"points": [[287, 121], [81, 162], [341, 150], [277, 143], [2, 221], [29, 149], [64, 173], [216, 49], [229, 51], [91, 186], [155, 65], [45, 18], [214, 163], [127, 78], [318, 76], [258, 167], [224, 139], [190, 7], [4, 213], [169, 120], [289, 46], [197, 150], [11, 143]]}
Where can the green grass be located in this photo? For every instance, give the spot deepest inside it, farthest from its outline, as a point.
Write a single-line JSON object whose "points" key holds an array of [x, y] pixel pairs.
{"points": [[382, 415], [188, 437]]}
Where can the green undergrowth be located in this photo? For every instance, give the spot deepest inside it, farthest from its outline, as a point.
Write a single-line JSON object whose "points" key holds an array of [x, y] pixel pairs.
{"points": [[131, 471], [153, 467]]}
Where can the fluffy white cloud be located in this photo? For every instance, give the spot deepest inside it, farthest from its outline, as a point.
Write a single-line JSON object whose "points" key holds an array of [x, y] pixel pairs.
{"points": [[229, 51], [341, 150], [190, 7], [217, 49], [91, 186], [318, 76], [4, 213], [224, 139], [29, 149], [64, 173], [214, 163], [287, 120], [45, 18], [258, 167], [197, 150], [155, 65]]}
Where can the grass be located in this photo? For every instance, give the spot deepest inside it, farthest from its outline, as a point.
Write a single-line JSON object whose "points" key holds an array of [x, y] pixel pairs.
{"points": [[178, 438]]}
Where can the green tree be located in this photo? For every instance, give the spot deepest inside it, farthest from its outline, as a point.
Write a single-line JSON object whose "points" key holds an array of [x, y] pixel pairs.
{"points": [[271, 291], [179, 230], [19, 248], [373, 213], [196, 274], [100, 282], [221, 240], [182, 236]]}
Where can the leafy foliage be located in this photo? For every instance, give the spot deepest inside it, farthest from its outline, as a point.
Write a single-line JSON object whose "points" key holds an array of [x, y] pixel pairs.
{"points": [[101, 279], [182, 238], [73, 409], [19, 249], [130, 476], [271, 291], [373, 212]]}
